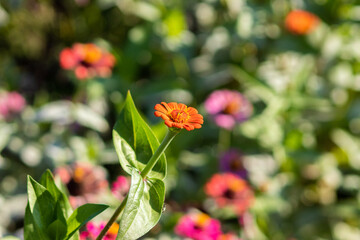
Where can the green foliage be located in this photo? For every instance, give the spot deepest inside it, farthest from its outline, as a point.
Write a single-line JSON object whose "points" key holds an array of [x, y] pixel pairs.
{"points": [[47, 180], [82, 215], [146, 196], [135, 142], [46, 215], [143, 208]]}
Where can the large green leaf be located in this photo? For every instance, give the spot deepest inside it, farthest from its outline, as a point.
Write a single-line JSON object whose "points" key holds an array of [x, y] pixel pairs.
{"points": [[58, 228], [82, 215], [143, 208], [30, 231], [47, 180], [133, 137], [41, 205]]}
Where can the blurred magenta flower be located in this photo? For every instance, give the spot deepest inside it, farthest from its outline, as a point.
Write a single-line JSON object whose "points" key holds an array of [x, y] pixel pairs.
{"points": [[228, 107], [229, 190], [93, 230], [87, 60], [198, 226], [301, 22], [232, 161], [120, 187], [84, 182], [228, 236], [11, 103]]}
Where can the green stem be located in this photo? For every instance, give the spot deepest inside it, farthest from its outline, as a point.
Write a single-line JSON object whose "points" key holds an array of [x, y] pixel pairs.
{"points": [[153, 160], [112, 219], [161, 149], [224, 140]]}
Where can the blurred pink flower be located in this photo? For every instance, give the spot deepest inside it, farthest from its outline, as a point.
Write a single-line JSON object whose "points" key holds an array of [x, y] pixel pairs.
{"points": [[87, 61], [11, 103], [229, 190], [93, 230], [198, 226], [120, 187], [84, 182], [232, 161], [228, 107]]}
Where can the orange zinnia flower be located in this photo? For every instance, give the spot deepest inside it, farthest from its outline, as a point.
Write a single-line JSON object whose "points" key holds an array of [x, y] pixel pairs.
{"points": [[301, 22], [178, 115]]}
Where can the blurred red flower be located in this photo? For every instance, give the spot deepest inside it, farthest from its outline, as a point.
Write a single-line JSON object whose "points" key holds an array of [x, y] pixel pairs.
{"points": [[229, 190], [87, 60], [84, 182], [301, 22]]}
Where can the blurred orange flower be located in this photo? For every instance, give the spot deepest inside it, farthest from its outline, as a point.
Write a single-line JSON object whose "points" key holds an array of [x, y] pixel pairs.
{"points": [[87, 60], [301, 22], [178, 115]]}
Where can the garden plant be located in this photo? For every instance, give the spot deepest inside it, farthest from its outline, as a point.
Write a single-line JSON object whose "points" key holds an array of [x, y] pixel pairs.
{"points": [[177, 120]]}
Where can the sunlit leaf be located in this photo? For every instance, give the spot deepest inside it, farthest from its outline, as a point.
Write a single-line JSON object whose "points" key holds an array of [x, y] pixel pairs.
{"points": [[143, 208], [41, 205], [47, 180], [140, 140]]}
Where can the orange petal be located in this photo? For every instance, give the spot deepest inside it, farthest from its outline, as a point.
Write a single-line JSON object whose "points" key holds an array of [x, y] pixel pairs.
{"points": [[197, 116], [188, 127], [197, 125], [166, 106], [168, 123], [182, 106], [160, 108], [192, 111], [196, 120], [158, 114], [173, 105]]}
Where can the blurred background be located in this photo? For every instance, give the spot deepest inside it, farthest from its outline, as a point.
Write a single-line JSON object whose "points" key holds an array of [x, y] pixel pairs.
{"points": [[65, 68]]}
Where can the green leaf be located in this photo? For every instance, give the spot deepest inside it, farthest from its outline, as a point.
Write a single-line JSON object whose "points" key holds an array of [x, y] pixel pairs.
{"points": [[30, 232], [47, 180], [41, 205], [133, 137], [143, 208], [57, 230], [82, 215]]}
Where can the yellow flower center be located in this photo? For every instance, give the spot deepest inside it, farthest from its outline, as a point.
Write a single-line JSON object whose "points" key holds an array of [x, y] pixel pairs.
{"points": [[179, 116], [79, 174], [202, 220], [232, 107], [92, 54], [114, 229]]}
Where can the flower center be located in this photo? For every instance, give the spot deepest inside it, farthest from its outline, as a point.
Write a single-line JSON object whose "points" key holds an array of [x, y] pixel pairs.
{"points": [[74, 188], [179, 116], [232, 107], [236, 164], [229, 194], [201, 221]]}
